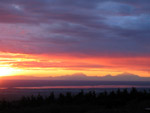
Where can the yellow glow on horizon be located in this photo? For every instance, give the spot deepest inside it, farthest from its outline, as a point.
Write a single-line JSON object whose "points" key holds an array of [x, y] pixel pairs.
{"points": [[43, 65], [7, 71]]}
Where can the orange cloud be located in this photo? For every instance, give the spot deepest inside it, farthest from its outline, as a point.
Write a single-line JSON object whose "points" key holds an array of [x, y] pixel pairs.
{"points": [[47, 65]]}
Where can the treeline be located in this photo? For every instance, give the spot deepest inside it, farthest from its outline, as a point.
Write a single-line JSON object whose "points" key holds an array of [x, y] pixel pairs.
{"points": [[104, 100]]}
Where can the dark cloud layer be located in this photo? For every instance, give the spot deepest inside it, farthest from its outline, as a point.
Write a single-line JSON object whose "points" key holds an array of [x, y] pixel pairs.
{"points": [[88, 27]]}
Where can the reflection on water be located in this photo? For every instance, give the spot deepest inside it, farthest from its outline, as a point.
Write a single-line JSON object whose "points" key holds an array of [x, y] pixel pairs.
{"points": [[83, 87], [3, 88], [14, 93]]}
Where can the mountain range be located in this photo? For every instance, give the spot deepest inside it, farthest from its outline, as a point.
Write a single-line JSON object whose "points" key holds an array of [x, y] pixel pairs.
{"points": [[83, 77]]}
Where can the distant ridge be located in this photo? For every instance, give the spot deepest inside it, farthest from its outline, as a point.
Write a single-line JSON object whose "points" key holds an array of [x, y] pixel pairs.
{"points": [[83, 77]]}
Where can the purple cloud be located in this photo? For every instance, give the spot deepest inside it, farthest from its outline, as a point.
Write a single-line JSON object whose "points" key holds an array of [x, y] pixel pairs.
{"points": [[96, 27]]}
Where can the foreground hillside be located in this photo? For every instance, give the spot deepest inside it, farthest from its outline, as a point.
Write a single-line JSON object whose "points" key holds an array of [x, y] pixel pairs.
{"points": [[114, 102]]}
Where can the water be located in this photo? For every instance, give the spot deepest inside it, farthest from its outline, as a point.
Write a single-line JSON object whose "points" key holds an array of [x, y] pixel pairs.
{"points": [[16, 93], [83, 87], [13, 90]]}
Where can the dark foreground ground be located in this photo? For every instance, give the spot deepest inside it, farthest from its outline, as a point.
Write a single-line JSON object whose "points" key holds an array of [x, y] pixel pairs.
{"points": [[113, 102]]}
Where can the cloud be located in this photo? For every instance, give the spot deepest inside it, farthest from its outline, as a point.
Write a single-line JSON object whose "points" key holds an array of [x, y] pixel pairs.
{"points": [[96, 28]]}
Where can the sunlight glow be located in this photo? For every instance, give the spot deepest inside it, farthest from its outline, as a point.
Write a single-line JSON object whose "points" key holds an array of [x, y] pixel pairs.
{"points": [[44, 65], [6, 71]]}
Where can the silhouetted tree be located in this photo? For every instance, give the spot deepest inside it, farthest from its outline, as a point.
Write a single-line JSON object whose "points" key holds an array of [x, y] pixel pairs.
{"points": [[84, 101], [51, 98]]}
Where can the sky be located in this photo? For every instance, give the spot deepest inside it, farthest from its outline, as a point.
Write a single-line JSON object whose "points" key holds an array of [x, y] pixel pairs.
{"points": [[64, 37]]}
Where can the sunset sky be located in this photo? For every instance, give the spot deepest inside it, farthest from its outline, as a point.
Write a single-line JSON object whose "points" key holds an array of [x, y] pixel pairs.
{"points": [[63, 37]]}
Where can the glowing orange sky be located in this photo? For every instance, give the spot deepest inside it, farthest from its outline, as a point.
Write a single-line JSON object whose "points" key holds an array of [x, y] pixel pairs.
{"points": [[47, 65], [54, 38]]}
